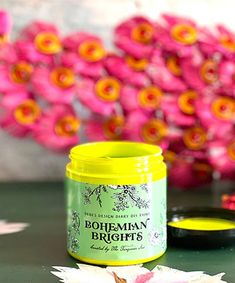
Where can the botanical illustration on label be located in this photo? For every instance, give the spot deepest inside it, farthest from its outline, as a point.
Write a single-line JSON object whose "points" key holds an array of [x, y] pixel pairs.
{"points": [[116, 222], [73, 231], [125, 196]]}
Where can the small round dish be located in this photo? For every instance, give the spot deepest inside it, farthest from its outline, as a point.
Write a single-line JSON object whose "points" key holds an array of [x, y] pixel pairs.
{"points": [[201, 227]]}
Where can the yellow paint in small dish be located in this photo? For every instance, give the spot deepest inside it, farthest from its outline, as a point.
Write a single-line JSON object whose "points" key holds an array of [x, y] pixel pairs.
{"points": [[203, 224], [201, 227]]}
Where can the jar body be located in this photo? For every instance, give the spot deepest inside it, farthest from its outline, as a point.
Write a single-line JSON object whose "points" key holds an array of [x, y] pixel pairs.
{"points": [[113, 222]]}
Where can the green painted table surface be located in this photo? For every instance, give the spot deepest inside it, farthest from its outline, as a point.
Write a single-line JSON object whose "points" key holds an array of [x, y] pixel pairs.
{"points": [[28, 256]]}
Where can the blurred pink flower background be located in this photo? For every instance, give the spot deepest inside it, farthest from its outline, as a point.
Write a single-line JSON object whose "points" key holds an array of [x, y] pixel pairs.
{"points": [[170, 82]]}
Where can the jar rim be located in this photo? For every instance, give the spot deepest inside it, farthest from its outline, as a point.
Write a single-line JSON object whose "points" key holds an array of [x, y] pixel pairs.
{"points": [[114, 150], [113, 160]]}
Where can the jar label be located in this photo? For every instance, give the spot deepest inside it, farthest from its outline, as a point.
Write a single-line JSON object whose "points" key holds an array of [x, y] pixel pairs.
{"points": [[116, 223]]}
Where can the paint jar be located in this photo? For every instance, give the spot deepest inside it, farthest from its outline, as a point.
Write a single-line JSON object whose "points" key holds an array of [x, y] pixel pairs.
{"points": [[116, 203]]}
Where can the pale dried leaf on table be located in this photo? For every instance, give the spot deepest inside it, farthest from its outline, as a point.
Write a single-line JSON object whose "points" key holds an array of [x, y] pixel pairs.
{"points": [[9, 228], [132, 274]]}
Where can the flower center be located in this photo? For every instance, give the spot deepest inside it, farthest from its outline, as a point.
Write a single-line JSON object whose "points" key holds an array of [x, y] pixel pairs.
{"points": [[150, 97], [209, 72], [143, 33], [169, 156], [136, 64], [48, 43], [3, 38], [185, 34], [186, 102], [224, 108], [21, 73], [231, 150], [195, 138], [154, 131], [108, 89], [203, 171], [228, 43], [27, 112], [63, 77], [173, 65], [67, 126], [113, 127], [91, 50]]}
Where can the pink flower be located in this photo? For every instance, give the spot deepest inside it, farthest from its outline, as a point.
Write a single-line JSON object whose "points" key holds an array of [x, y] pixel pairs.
{"points": [[19, 113], [136, 36], [146, 98], [8, 54], [174, 134], [58, 128], [144, 128], [56, 85], [100, 96], [162, 76], [179, 110], [180, 174], [222, 156], [5, 26], [172, 62], [100, 129], [228, 201], [190, 143], [144, 278], [39, 43], [84, 53], [127, 69], [186, 174], [15, 77], [227, 75], [179, 36], [28, 52], [197, 154], [223, 42], [36, 27], [200, 73], [216, 114]]}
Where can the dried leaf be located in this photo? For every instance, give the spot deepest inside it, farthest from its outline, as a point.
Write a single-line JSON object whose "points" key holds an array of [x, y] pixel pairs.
{"points": [[132, 274], [119, 280], [10, 227]]}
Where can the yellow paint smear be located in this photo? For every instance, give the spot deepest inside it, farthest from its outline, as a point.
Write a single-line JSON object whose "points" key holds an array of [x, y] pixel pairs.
{"points": [[203, 223]]}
